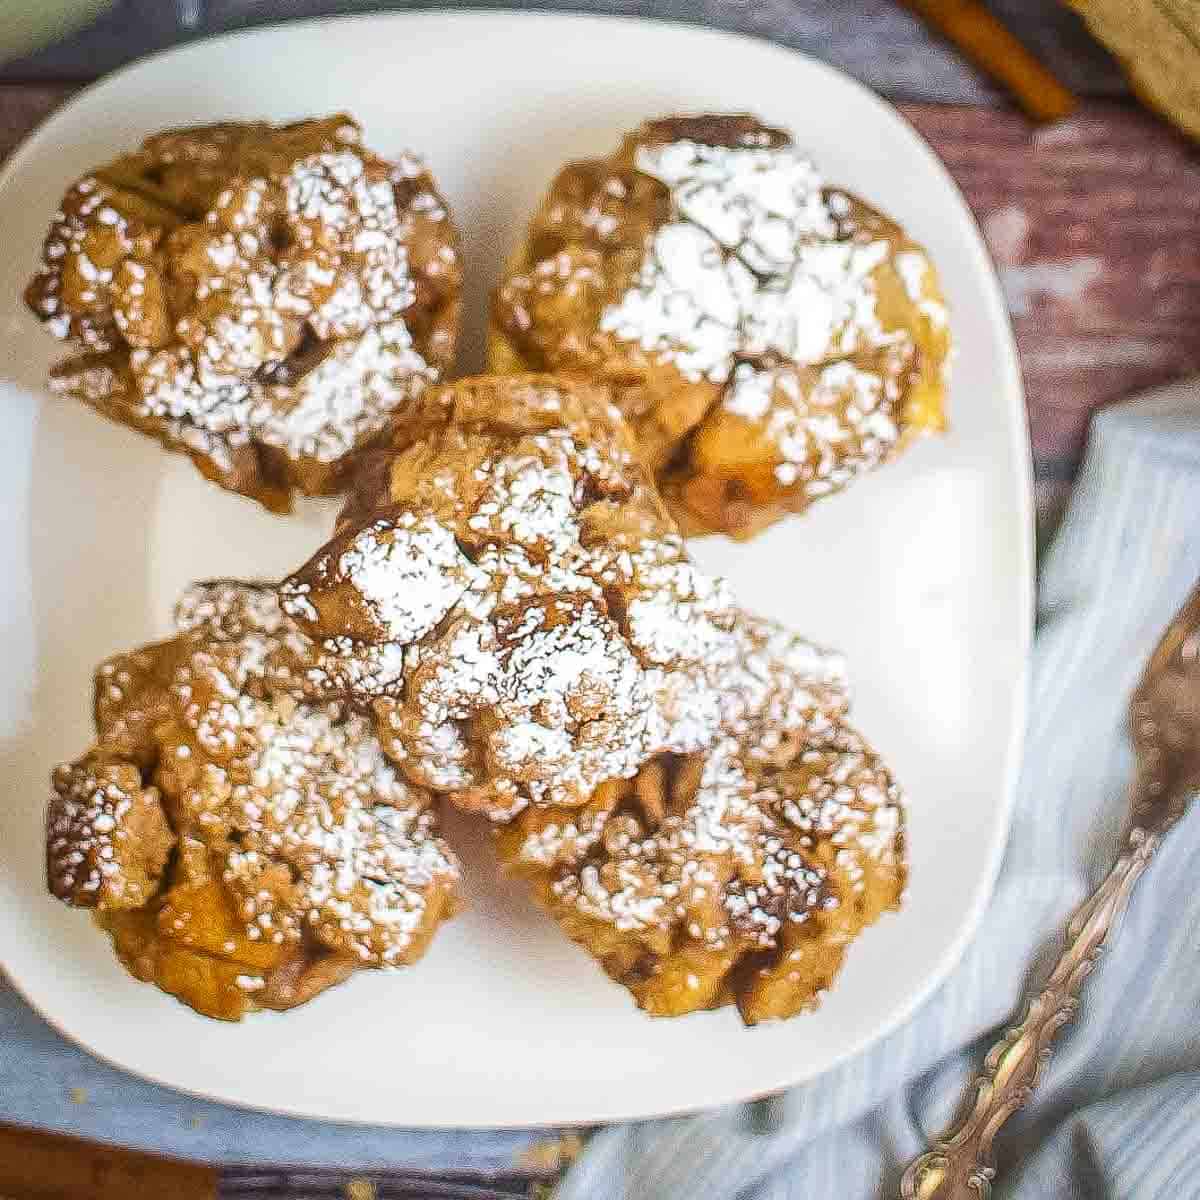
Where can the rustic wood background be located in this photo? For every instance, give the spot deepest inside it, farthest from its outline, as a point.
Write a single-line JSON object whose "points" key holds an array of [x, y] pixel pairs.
{"points": [[1094, 225]]}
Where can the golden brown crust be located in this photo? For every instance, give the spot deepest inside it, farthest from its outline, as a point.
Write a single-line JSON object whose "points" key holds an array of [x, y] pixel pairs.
{"points": [[107, 837], [244, 845], [674, 776], [767, 339], [734, 131], [507, 592], [262, 298], [725, 877]]}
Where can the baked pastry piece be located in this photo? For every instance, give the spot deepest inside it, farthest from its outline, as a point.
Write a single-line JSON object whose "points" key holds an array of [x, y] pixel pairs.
{"points": [[245, 844], [768, 337], [674, 775], [263, 298], [738, 874], [507, 591]]}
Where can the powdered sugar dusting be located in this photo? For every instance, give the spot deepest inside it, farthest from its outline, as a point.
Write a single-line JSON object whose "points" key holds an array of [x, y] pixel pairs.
{"points": [[707, 269], [746, 265], [411, 573], [273, 311], [323, 800], [777, 837], [107, 839], [345, 274], [576, 642], [289, 805], [915, 271], [531, 662], [825, 425], [284, 782]]}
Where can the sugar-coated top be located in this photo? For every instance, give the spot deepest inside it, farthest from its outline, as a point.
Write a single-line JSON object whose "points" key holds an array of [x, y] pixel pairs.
{"points": [[287, 803], [509, 594], [711, 274], [242, 286], [736, 875]]}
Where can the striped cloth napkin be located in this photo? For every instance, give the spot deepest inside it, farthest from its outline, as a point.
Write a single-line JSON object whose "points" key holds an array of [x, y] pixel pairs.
{"points": [[1118, 1112]]}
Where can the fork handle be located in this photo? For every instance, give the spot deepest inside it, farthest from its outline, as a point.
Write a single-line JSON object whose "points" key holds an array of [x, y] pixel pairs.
{"points": [[958, 1165]]}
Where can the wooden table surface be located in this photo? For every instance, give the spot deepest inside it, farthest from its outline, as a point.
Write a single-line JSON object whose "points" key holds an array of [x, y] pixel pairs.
{"points": [[1094, 225]]}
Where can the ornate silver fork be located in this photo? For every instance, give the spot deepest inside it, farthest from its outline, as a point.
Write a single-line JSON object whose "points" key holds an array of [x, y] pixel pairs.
{"points": [[1164, 719]]}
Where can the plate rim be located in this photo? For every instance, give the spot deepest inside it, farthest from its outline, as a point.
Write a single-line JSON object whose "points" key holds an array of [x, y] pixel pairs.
{"points": [[1011, 386]]}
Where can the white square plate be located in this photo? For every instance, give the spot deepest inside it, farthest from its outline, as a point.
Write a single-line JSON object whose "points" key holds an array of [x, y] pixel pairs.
{"points": [[921, 573]]}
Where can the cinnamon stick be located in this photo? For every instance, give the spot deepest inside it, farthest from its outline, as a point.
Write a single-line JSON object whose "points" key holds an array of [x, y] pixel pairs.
{"points": [[995, 51], [46, 1166]]}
